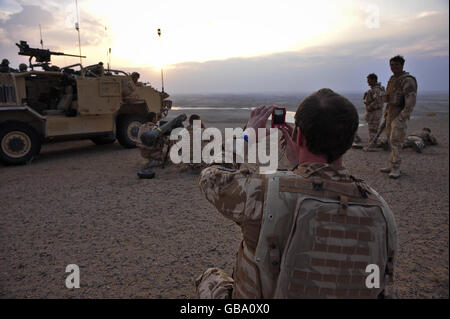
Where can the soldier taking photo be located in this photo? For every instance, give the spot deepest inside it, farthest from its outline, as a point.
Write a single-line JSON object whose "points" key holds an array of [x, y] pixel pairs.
{"points": [[313, 231]]}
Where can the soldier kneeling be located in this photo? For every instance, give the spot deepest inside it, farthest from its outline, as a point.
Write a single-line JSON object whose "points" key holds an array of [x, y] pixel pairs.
{"points": [[311, 232], [155, 155]]}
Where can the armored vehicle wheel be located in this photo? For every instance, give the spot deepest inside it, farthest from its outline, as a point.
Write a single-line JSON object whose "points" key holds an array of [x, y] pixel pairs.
{"points": [[106, 139], [19, 143], [127, 130]]}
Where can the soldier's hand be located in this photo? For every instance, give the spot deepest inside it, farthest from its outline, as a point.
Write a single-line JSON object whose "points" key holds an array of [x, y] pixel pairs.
{"points": [[259, 117]]}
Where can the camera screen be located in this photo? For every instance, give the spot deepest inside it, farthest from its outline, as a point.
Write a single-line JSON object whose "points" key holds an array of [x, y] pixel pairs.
{"points": [[278, 116]]}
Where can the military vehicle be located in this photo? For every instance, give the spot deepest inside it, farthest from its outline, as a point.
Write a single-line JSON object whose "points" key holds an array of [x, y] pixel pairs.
{"points": [[70, 103]]}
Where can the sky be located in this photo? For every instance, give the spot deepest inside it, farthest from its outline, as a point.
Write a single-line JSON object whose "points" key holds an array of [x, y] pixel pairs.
{"points": [[245, 46]]}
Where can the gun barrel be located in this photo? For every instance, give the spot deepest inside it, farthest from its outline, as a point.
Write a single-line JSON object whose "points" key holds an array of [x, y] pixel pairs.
{"points": [[65, 54]]}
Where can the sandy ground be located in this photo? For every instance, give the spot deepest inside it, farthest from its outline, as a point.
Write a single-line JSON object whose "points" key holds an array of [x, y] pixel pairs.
{"points": [[83, 204]]}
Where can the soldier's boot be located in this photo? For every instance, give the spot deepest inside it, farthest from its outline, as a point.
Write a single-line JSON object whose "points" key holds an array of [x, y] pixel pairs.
{"points": [[417, 146], [357, 146], [386, 170], [395, 173], [150, 164]]}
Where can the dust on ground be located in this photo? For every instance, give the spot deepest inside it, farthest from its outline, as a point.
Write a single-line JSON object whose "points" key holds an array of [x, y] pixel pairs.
{"points": [[83, 204]]}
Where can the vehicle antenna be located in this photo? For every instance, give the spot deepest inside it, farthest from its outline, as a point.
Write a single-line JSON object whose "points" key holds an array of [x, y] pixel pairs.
{"points": [[77, 27], [109, 58], [108, 52], [42, 42], [162, 75]]}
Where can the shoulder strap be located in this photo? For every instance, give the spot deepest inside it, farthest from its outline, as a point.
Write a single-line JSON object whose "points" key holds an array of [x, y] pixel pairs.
{"points": [[357, 192]]}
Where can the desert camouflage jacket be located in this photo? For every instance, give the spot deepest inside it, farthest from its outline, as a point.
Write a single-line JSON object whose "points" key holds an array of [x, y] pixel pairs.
{"points": [[373, 99], [401, 93], [426, 136], [239, 195]]}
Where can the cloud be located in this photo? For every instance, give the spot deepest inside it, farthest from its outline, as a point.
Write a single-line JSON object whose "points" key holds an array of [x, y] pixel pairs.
{"points": [[29, 16], [57, 22], [343, 65], [340, 59]]}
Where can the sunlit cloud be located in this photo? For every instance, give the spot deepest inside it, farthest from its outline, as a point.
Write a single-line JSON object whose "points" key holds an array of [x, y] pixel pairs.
{"points": [[230, 33]]}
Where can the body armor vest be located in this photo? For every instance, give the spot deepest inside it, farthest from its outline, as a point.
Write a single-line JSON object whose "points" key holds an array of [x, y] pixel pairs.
{"points": [[395, 96], [316, 239]]}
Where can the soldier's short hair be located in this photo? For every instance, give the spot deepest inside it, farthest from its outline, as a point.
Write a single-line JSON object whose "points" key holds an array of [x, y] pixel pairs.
{"points": [[151, 116], [5, 62], [399, 59], [193, 117], [329, 122], [427, 129], [373, 76]]}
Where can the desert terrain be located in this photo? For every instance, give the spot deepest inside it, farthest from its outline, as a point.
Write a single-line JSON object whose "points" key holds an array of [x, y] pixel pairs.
{"points": [[83, 204]]}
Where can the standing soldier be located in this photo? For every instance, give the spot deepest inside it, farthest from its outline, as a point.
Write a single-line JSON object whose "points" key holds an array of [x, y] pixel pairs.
{"points": [[4, 67], [401, 99], [373, 99], [310, 232]]}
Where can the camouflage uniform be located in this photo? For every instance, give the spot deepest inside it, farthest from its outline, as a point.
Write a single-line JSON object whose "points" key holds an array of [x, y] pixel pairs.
{"points": [[241, 196], [129, 91], [154, 154], [401, 99], [373, 99], [419, 139], [194, 166]]}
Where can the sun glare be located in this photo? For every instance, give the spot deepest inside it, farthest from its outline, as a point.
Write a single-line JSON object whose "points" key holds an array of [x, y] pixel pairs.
{"points": [[209, 30]]}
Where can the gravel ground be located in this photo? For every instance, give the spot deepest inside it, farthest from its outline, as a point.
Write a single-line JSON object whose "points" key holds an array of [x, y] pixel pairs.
{"points": [[83, 204]]}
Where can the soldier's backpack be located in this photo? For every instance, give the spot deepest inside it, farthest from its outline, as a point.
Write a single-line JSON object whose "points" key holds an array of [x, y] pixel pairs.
{"points": [[319, 238]]}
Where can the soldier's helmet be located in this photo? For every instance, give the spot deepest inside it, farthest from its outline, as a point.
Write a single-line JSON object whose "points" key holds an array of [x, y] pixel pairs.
{"points": [[135, 74], [23, 67], [5, 62]]}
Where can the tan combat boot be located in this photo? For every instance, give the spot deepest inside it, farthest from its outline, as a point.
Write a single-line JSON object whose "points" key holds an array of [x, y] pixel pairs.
{"points": [[395, 173], [386, 170]]}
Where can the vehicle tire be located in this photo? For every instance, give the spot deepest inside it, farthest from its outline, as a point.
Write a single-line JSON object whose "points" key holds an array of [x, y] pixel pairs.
{"points": [[127, 130], [105, 139], [19, 143]]}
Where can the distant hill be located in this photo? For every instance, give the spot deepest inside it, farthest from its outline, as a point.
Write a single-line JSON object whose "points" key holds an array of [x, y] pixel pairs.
{"points": [[426, 102]]}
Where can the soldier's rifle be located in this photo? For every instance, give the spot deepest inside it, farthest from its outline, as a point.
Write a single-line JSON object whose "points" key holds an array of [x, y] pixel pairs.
{"points": [[381, 128]]}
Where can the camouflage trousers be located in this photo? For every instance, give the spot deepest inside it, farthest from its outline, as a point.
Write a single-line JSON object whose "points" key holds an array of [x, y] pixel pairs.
{"points": [[396, 132], [373, 120], [214, 283]]}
